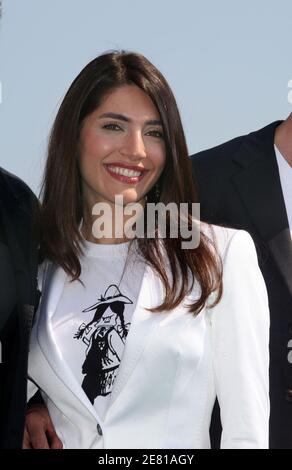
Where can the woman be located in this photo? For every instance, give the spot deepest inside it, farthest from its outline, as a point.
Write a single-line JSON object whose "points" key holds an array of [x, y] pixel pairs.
{"points": [[135, 336]]}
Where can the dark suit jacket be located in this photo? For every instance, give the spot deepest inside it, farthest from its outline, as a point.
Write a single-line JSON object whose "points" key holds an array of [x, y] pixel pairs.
{"points": [[239, 186], [18, 271]]}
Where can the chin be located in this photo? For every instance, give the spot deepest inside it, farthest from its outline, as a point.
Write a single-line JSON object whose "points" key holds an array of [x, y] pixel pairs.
{"points": [[131, 201], [131, 198]]}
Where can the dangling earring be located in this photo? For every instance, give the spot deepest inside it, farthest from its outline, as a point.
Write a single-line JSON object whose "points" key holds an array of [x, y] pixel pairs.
{"points": [[157, 192]]}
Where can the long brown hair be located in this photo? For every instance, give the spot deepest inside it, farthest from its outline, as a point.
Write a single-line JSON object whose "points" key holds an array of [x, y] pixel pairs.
{"points": [[62, 195]]}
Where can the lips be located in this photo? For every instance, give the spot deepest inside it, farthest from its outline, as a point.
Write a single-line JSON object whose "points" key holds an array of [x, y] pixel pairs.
{"points": [[125, 173]]}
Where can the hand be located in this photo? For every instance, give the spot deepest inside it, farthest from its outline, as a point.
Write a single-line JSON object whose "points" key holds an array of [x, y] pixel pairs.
{"points": [[39, 432], [79, 333]]}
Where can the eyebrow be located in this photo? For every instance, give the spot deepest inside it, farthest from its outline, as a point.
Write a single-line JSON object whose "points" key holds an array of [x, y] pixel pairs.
{"points": [[121, 117]]}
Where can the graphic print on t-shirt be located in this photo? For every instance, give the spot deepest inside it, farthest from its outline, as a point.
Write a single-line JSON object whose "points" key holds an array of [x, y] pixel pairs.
{"points": [[105, 337]]}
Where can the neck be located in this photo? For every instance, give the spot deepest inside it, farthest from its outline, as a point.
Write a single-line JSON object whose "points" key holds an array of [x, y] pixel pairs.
{"points": [[283, 139]]}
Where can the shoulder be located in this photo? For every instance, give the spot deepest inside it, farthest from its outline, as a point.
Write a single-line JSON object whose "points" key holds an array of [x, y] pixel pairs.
{"points": [[218, 153], [243, 282], [219, 157], [228, 240], [13, 188]]}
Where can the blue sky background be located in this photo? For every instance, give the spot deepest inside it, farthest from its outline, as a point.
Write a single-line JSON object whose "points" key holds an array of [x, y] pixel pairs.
{"points": [[228, 62]]}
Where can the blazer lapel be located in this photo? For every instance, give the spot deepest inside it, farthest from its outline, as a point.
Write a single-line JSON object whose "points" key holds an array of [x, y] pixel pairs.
{"points": [[143, 322], [258, 183], [45, 336], [281, 249], [142, 326]]}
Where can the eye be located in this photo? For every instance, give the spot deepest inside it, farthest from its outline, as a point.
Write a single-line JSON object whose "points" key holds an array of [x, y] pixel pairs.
{"points": [[112, 126], [156, 133]]}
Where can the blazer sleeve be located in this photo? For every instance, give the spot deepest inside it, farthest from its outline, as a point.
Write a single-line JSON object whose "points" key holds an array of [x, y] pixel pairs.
{"points": [[240, 337]]}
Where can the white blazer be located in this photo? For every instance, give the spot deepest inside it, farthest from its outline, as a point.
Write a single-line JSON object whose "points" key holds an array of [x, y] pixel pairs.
{"points": [[173, 366]]}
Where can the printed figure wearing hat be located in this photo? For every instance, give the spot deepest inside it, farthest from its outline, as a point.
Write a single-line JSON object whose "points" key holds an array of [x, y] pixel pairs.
{"points": [[105, 342]]}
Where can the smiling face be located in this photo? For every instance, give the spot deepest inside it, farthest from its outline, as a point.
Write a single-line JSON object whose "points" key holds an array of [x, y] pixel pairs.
{"points": [[122, 150]]}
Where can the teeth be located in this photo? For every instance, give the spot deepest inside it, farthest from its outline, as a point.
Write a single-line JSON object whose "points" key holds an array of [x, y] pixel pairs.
{"points": [[124, 171]]}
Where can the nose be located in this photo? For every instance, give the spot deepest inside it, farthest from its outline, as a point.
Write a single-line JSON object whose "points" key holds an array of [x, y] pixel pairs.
{"points": [[133, 146]]}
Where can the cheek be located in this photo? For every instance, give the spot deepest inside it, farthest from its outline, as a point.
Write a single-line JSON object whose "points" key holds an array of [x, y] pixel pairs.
{"points": [[95, 146], [91, 150]]}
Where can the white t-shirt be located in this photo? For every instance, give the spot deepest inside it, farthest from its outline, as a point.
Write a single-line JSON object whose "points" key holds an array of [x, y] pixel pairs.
{"points": [[285, 171], [93, 318]]}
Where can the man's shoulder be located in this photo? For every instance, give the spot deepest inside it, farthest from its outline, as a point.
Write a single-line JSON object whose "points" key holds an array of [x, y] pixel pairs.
{"points": [[215, 164], [220, 155], [12, 187], [223, 150]]}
